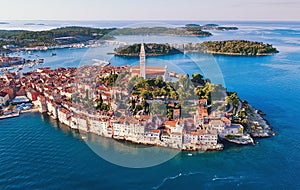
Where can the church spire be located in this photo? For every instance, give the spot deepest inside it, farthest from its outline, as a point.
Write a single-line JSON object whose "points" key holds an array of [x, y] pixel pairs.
{"points": [[143, 62]]}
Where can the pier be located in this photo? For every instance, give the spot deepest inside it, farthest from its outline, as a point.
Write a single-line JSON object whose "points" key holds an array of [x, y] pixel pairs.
{"points": [[17, 114]]}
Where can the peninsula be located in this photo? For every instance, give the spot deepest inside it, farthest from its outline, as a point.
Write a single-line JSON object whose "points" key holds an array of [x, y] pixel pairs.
{"points": [[16, 39], [141, 104]]}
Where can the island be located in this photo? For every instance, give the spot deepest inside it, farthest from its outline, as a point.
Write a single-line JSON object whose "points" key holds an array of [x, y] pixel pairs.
{"points": [[228, 47], [141, 104], [187, 30], [236, 47], [75, 36], [211, 27], [152, 49], [177, 31]]}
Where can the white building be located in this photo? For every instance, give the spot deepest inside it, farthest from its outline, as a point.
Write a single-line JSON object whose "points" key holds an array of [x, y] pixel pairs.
{"points": [[52, 109], [217, 125], [82, 124], [118, 130], [233, 129], [64, 116], [176, 139], [209, 137]]}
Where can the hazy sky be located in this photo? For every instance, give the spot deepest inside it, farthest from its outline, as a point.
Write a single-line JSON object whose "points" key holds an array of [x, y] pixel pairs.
{"points": [[150, 10]]}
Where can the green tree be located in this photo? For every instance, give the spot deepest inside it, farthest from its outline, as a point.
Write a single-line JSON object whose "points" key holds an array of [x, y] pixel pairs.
{"points": [[158, 108], [197, 79]]}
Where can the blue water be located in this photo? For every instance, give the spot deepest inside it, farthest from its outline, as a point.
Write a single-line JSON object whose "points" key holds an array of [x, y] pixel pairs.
{"points": [[37, 152]]}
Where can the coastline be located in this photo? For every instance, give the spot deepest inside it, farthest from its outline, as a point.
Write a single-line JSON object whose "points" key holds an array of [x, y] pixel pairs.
{"points": [[180, 133], [236, 54]]}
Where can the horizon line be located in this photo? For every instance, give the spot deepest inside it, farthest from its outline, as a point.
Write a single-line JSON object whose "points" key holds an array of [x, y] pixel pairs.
{"points": [[114, 20]]}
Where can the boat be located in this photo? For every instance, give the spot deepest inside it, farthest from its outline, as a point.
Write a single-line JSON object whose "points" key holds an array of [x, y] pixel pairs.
{"points": [[53, 54], [190, 154]]}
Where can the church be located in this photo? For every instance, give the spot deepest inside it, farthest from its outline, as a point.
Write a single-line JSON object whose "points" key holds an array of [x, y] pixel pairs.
{"points": [[147, 72]]}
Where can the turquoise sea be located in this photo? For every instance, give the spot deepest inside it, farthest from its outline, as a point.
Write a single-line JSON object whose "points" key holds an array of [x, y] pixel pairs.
{"points": [[37, 152]]}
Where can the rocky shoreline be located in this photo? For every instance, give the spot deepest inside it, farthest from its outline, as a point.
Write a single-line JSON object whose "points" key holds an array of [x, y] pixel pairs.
{"points": [[237, 54], [258, 127]]}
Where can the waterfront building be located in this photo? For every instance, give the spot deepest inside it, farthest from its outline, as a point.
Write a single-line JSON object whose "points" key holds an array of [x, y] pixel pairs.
{"points": [[64, 116], [97, 126], [176, 139], [83, 123], [152, 135], [41, 104], [208, 137], [118, 130], [233, 129], [52, 108]]}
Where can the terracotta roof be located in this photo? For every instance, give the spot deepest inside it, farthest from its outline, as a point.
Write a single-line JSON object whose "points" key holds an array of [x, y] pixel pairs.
{"points": [[171, 123], [155, 131], [225, 119], [203, 101], [176, 111]]}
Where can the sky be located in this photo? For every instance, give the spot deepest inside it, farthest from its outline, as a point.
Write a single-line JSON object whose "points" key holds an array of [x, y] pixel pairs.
{"points": [[276, 10]]}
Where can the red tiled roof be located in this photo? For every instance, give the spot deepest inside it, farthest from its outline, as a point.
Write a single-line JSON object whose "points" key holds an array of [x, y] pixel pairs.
{"points": [[171, 123], [155, 131]]}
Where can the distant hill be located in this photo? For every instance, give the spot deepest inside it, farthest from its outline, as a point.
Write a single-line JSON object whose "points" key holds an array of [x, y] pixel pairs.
{"points": [[23, 38], [180, 31]]}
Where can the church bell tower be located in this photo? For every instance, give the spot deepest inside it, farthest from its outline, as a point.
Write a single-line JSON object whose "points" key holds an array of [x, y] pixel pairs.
{"points": [[143, 62]]}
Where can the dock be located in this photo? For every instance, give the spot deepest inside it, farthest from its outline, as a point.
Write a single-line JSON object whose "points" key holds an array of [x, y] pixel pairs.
{"points": [[10, 115]]}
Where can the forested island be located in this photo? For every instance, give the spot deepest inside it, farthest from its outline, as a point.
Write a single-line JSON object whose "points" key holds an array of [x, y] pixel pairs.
{"points": [[229, 47], [14, 39], [73, 35], [179, 31], [151, 49], [187, 30], [235, 47], [59, 36], [211, 27]]}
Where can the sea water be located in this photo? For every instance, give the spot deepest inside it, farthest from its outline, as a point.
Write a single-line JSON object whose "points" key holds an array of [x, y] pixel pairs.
{"points": [[38, 152]]}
